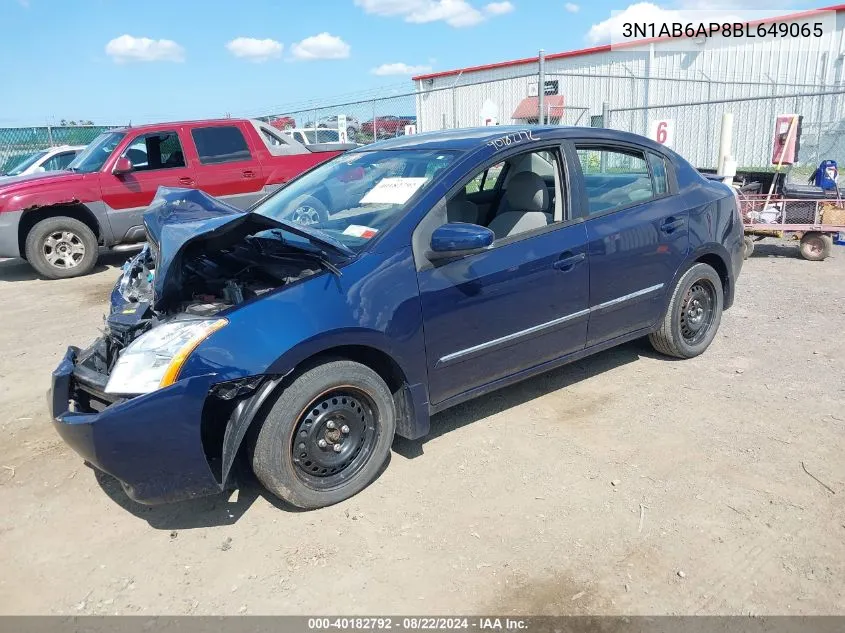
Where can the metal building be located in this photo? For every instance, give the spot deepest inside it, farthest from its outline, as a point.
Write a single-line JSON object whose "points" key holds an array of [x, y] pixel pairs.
{"points": [[630, 87]]}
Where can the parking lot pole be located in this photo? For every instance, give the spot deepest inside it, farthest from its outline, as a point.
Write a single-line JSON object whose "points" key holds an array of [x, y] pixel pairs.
{"points": [[541, 87]]}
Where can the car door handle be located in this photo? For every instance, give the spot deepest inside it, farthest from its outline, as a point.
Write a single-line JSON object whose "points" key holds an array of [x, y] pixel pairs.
{"points": [[248, 173], [185, 180], [568, 261], [671, 224]]}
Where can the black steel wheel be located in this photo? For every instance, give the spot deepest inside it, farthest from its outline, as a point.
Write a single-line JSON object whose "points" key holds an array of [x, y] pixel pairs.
{"points": [[693, 314], [334, 437], [697, 311], [327, 435]]}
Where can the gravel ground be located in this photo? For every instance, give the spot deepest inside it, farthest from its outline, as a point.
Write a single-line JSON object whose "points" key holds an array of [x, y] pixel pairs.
{"points": [[624, 483]]}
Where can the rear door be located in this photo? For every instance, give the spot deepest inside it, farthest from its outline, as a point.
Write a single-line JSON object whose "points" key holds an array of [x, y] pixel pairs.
{"points": [[227, 166], [637, 231], [158, 160]]}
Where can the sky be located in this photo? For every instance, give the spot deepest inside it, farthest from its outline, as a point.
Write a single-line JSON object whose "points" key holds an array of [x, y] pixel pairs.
{"points": [[115, 61]]}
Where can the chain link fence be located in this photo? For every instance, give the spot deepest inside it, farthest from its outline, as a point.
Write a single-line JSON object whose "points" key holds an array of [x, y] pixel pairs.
{"points": [[620, 100], [697, 126], [18, 143]]}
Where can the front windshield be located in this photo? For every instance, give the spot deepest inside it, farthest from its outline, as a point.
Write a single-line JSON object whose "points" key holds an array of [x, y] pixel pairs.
{"points": [[355, 196], [26, 163], [93, 157]]}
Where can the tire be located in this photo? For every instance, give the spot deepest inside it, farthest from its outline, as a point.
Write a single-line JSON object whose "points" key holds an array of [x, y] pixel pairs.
{"points": [[693, 315], [351, 133], [382, 132], [61, 247], [747, 247], [308, 211], [815, 246], [344, 393]]}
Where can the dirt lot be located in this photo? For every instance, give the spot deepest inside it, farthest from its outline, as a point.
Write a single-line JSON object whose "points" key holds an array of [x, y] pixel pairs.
{"points": [[625, 483]]}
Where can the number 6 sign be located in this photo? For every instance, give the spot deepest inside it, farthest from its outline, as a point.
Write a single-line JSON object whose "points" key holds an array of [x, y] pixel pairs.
{"points": [[662, 131]]}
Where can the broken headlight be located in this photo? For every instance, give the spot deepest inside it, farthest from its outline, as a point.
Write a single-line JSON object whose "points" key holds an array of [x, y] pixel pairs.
{"points": [[154, 359]]}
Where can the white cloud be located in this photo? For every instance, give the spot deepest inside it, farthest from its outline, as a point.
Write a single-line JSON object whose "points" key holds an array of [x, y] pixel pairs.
{"points": [[254, 49], [399, 68], [498, 8], [322, 46], [641, 12], [571, 7], [457, 13], [127, 48]]}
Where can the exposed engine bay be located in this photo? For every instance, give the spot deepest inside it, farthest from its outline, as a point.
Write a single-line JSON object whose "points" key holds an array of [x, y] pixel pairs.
{"points": [[210, 282]]}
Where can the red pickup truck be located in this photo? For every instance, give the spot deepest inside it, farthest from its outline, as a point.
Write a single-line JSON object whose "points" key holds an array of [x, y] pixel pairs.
{"points": [[58, 220]]}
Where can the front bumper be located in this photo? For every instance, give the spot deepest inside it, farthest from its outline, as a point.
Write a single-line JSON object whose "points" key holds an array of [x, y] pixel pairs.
{"points": [[151, 443]]}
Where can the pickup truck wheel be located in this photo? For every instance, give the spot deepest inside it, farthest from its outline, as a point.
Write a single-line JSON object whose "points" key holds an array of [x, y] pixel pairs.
{"points": [[351, 133], [61, 247], [309, 211], [693, 315], [327, 435]]}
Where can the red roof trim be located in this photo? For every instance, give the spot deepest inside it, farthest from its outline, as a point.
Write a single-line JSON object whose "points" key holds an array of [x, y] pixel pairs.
{"points": [[607, 47]]}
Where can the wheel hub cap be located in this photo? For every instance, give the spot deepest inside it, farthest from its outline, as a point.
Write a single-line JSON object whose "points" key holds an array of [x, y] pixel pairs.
{"points": [[307, 216], [63, 249]]}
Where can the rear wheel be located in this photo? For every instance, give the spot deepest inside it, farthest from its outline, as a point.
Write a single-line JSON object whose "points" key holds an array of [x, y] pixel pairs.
{"points": [[61, 247], [327, 436], [693, 316], [815, 246]]}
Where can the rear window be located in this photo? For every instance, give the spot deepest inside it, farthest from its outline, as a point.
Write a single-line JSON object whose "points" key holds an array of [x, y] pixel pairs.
{"points": [[220, 144]]}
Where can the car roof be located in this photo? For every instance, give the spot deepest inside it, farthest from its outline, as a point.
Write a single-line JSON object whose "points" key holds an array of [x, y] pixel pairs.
{"points": [[468, 139], [197, 122]]}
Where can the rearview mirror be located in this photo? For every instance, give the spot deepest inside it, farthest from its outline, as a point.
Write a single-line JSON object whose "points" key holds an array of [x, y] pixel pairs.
{"points": [[122, 166], [459, 238]]}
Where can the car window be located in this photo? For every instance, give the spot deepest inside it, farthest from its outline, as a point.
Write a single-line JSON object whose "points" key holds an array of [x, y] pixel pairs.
{"points": [[358, 195], [658, 172], [492, 176], [533, 199], [220, 144], [159, 150], [272, 139], [614, 178], [26, 163], [59, 161], [486, 180]]}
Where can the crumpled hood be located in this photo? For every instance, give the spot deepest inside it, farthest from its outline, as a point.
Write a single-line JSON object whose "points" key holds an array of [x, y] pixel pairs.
{"points": [[178, 218]]}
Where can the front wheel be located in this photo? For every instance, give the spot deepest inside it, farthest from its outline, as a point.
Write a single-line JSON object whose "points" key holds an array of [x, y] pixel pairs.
{"points": [[327, 436], [61, 247], [693, 315]]}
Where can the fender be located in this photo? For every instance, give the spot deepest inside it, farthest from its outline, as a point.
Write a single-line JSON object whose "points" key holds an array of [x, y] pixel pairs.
{"points": [[703, 251], [371, 347]]}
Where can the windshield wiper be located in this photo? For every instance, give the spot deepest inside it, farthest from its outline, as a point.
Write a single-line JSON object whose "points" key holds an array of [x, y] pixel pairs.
{"points": [[319, 256]]}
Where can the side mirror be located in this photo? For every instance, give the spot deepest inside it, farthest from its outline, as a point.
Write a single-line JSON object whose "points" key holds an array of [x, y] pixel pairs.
{"points": [[122, 166], [459, 238]]}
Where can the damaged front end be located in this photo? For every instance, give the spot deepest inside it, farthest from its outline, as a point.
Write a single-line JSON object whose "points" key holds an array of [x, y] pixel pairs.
{"points": [[202, 259], [124, 392]]}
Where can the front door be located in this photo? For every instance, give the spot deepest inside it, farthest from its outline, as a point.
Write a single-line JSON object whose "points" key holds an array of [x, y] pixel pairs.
{"points": [[517, 305], [157, 161], [638, 237]]}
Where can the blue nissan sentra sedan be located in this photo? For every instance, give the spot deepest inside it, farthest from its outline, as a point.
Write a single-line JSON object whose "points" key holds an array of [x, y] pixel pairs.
{"points": [[382, 287]]}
